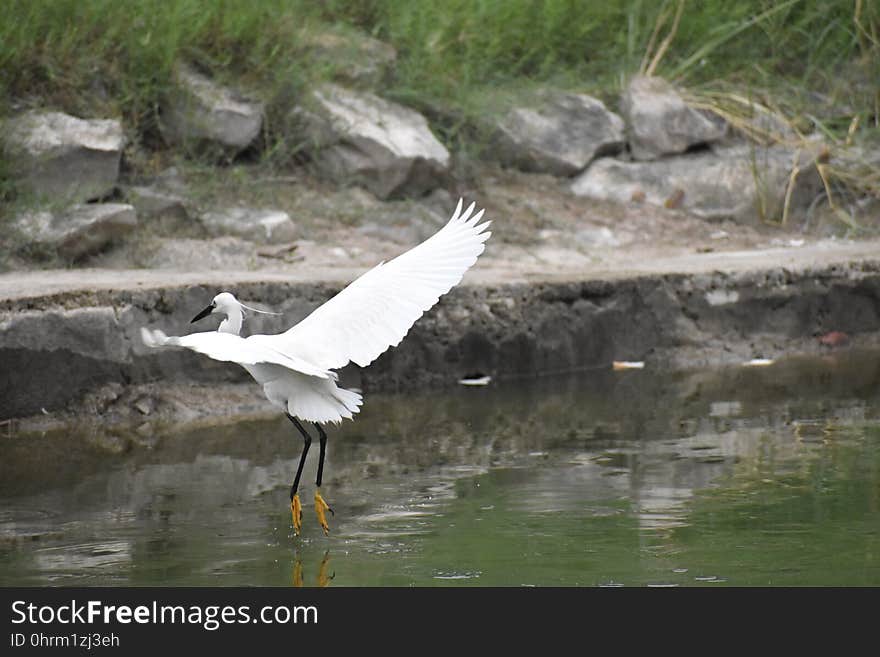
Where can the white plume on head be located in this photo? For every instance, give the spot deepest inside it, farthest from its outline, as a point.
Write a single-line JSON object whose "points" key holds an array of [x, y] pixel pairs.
{"points": [[257, 310]]}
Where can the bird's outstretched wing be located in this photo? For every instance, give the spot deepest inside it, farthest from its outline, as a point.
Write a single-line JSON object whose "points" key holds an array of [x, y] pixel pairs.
{"points": [[376, 311], [233, 349]]}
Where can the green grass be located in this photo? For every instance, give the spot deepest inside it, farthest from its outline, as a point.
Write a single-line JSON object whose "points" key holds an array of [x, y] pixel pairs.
{"points": [[818, 62], [86, 55], [108, 57]]}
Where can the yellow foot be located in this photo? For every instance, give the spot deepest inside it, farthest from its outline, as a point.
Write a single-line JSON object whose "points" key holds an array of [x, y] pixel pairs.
{"points": [[296, 512], [320, 507]]}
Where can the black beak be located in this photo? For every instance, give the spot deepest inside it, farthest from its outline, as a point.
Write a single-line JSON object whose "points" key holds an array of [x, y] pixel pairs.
{"points": [[207, 311]]}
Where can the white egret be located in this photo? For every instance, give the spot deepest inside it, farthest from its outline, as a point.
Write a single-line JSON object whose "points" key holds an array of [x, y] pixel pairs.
{"points": [[373, 313]]}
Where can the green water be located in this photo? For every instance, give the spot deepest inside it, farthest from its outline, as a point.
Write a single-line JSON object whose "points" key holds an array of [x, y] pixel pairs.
{"points": [[738, 476]]}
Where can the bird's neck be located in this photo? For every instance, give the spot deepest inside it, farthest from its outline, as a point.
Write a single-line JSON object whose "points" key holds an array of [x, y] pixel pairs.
{"points": [[232, 323]]}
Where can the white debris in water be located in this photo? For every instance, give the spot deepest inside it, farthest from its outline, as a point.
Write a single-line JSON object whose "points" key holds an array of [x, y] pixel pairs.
{"points": [[628, 364], [758, 362], [477, 381]]}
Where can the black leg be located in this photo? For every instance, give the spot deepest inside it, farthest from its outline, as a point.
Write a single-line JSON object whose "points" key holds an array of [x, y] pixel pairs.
{"points": [[302, 459], [323, 446]]}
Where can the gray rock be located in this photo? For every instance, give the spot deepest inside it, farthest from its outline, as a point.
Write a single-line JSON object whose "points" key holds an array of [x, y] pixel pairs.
{"points": [[262, 226], [200, 111], [743, 183], [405, 222], [64, 158], [560, 134], [91, 332], [354, 58], [659, 122], [357, 137], [165, 209], [80, 230], [67, 353], [145, 405]]}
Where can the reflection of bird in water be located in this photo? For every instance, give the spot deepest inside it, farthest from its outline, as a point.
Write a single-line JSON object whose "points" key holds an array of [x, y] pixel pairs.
{"points": [[373, 313], [321, 581]]}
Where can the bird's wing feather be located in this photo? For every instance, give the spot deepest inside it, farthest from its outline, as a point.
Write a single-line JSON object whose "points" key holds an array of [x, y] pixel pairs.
{"points": [[376, 311], [234, 349]]}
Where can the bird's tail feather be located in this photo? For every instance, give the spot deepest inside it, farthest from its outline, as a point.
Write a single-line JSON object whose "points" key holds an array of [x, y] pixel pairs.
{"points": [[334, 405], [350, 399], [307, 397]]}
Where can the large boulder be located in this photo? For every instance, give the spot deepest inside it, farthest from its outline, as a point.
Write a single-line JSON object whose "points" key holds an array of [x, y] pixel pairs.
{"points": [[79, 231], [198, 111], [262, 226], [64, 158], [352, 58], [558, 133], [659, 121], [357, 137], [744, 183]]}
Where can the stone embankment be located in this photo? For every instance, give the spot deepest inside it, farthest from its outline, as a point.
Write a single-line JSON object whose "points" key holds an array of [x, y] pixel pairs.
{"points": [[65, 335]]}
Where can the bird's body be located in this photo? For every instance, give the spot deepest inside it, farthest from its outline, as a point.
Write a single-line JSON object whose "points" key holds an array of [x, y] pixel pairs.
{"points": [[375, 312]]}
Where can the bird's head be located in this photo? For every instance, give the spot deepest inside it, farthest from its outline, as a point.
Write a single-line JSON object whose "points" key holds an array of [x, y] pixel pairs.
{"points": [[226, 304]]}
